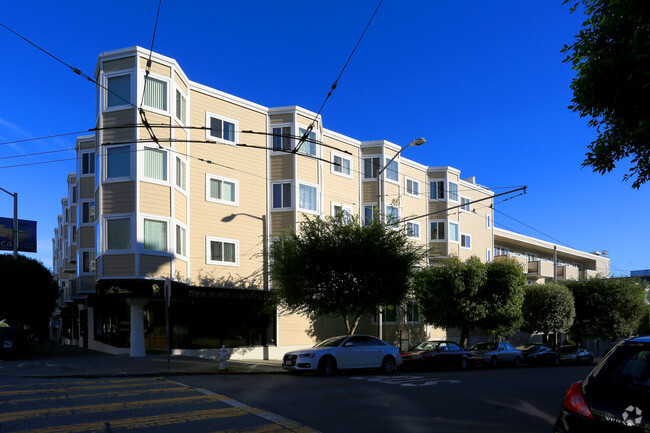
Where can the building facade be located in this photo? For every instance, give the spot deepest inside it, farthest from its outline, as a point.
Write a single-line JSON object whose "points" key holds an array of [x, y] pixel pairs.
{"points": [[183, 188]]}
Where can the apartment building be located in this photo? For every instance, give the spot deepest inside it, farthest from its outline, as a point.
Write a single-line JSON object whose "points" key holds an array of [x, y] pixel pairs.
{"points": [[182, 190]]}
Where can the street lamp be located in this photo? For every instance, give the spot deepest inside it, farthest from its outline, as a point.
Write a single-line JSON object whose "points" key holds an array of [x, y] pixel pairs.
{"points": [[380, 207], [265, 247], [15, 196]]}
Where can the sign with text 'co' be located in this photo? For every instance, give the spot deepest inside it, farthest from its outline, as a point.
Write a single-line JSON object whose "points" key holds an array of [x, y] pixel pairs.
{"points": [[26, 235]]}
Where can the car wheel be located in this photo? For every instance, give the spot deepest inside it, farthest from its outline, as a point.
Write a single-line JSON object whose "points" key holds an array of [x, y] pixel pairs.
{"points": [[327, 366], [517, 362], [388, 365], [463, 364], [494, 362]]}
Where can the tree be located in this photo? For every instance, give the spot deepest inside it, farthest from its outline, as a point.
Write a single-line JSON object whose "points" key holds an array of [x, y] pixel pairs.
{"points": [[28, 293], [337, 267], [548, 309], [607, 307], [611, 56], [503, 293]]}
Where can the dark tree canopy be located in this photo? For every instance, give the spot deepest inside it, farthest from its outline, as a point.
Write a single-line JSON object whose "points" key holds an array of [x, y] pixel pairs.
{"points": [[337, 267], [548, 309], [28, 293], [611, 56]]}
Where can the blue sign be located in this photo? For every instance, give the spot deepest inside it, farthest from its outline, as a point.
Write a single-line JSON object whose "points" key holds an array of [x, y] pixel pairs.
{"points": [[26, 235]]}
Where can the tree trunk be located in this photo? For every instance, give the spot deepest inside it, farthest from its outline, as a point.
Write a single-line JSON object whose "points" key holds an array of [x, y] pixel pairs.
{"points": [[464, 335]]}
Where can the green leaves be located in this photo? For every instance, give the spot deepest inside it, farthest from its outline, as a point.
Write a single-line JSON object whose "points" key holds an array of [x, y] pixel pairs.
{"points": [[548, 309]]}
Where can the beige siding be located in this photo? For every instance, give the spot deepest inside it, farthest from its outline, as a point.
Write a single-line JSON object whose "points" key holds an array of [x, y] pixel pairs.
{"points": [[119, 265], [156, 68], [180, 83], [155, 199], [118, 118], [181, 135], [293, 329], [372, 151], [118, 197], [161, 132], [281, 221], [306, 121], [87, 237], [282, 167], [308, 169], [155, 266], [180, 206], [119, 64], [86, 187], [86, 284], [281, 118], [369, 192], [180, 267]]}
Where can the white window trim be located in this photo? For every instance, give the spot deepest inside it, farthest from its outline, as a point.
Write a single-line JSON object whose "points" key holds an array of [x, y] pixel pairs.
{"points": [[444, 188], [346, 208], [448, 191], [209, 240], [363, 167], [81, 163], [415, 224], [208, 116], [406, 180], [293, 196], [209, 177], [449, 232], [104, 162], [141, 176], [488, 255], [104, 93], [444, 238], [81, 261], [488, 221], [340, 155], [316, 138], [385, 172], [80, 209], [104, 239], [181, 121], [363, 210], [469, 202], [170, 247], [184, 227], [460, 240], [168, 87], [318, 198], [292, 141], [184, 191]]}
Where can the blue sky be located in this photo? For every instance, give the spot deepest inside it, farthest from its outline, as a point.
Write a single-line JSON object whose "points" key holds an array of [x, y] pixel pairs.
{"points": [[482, 81]]}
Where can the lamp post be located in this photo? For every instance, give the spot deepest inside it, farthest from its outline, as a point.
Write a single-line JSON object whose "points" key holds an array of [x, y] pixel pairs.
{"points": [[380, 208], [15, 231], [265, 247]]}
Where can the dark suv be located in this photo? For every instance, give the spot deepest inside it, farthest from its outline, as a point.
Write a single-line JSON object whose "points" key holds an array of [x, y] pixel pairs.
{"points": [[615, 396]]}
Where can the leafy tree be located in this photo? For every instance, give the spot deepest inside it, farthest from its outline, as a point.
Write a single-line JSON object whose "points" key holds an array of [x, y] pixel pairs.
{"points": [[607, 307], [337, 267], [611, 56], [503, 293], [548, 309], [28, 293]]}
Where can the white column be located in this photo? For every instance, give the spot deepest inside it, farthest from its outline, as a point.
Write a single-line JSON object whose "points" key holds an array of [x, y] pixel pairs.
{"points": [[137, 327]]}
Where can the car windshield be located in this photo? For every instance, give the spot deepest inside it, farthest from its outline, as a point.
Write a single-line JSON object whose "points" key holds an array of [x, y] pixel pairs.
{"points": [[427, 345], [485, 346], [627, 365], [567, 349], [529, 348], [331, 342]]}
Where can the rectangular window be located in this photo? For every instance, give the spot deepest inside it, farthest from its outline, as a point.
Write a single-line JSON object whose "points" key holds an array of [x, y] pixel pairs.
{"points": [[88, 212], [488, 255], [412, 312], [119, 91], [309, 145], [118, 234], [181, 241], [181, 173], [88, 163], [437, 230], [465, 241], [340, 209], [392, 215], [282, 196], [155, 93], [181, 104], [221, 190], [453, 191], [155, 163], [222, 252], [222, 129], [413, 230], [392, 170], [307, 197], [369, 214], [437, 190], [118, 161], [74, 194], [88, 258], [464, 204], [341, 165], [155, 235], [454, 234], [370, 168], [282, 138], [488, 220], [412, 187], [389, 314]]}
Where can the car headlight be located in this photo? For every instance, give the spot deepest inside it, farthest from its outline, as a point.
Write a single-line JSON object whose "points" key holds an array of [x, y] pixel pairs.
{"points": [[306, 355]]}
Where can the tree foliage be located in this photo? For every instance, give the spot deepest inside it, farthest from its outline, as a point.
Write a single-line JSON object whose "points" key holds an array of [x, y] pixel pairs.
{"points": [[548, 309], [28, 293], [337, 267], [611, 56], [607, 307]]}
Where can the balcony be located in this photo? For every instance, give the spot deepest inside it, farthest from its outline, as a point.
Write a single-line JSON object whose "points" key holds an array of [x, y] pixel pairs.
{"points": [[568, 272], [589, 273], [513, 256], [540, 268]]}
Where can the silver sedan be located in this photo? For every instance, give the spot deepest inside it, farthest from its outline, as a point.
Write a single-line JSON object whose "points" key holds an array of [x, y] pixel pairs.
{"points": [[494, 354]]}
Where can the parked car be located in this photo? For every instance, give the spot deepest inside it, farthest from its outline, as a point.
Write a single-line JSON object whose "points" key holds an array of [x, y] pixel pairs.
{"points": [[344, 352], [571, 354], [614, 396], [495, 354], [539, 354], [436, 354]]}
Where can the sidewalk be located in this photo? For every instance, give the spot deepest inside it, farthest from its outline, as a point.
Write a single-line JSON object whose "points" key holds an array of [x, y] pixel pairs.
{"points": [[70, 361]]}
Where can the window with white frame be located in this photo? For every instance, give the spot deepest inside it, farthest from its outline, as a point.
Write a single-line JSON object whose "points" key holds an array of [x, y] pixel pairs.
{"points": [[307, 197], [87, 212], [369, 212], [531, 257], [155, 235], [118, 91], [488, 220], [465, 240], [341, 165], [74, 194], [341, 209], [221, 190], [155, 93], [181, 241], [454, 232], [309, 146], [155, 164], [370, 167], [392, 214], [412, 313], [282, 192], [488, 255], [118, 161], [392, 170], [412, 187], [221, 129], [413, 230], [181, 173], [438, 230], [88, 262], [500, 251], [222, 251], [464, 204], [118, 234], [282, 138], [453, 191], [437, 189], [88, 163], [181, 107]]}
